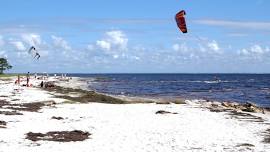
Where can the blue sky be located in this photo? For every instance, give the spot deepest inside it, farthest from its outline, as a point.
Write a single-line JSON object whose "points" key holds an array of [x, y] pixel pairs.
{"points": [[123, 36]]}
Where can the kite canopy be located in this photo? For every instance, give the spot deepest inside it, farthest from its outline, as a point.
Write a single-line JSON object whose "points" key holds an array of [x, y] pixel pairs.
{"points": [[34, 52], [31, 49], [180, 20]]}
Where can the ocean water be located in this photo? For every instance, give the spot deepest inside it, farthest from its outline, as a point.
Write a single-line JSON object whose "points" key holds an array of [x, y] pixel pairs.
{"points": [[220, 87]]}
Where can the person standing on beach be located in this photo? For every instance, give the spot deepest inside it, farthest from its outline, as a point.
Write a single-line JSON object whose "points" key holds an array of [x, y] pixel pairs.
{"points": [[19, 79], [27, 79]]}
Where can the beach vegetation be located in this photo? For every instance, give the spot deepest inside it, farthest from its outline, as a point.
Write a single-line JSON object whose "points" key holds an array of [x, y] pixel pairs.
{"points": [[4, 65]]}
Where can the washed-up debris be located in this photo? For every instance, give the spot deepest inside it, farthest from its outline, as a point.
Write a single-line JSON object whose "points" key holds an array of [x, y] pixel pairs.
{"points": [[57, 118], [3, 124], [165, 112], [16, 109], [59, 136]]}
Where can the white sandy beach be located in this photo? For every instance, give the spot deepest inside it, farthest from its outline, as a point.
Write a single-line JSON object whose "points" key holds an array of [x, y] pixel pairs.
{"points": [[125, 127]]}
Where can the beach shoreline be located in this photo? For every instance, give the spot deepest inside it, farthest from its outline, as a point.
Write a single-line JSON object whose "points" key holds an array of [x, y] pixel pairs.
{"points": [[162, 126]]}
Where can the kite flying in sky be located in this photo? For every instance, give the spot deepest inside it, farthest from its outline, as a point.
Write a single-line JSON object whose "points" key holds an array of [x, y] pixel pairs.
{"points": [[180, 20], [33, 50]]}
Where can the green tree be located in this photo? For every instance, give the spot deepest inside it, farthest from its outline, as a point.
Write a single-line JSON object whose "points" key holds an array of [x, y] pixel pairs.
{"points": [[4, 65]]}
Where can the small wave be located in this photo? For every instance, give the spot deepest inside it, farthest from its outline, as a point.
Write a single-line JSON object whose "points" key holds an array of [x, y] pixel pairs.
{"points": [[212, 81], [196, 81]]}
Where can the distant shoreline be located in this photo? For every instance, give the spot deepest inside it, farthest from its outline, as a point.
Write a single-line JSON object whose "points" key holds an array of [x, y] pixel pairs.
{"points": [[59, 73]]}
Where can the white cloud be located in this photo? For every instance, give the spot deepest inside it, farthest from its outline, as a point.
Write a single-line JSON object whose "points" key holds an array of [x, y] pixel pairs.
{"points": [[2, 53], [60, 42], [18, 45], [2, 42], [257, 49], [115, 56], [113, 45], [214, 46], [235, 24], [243, 52], [176, 47], [256, 52], [104, 45], [90, 47], [31, 39], [182, 48], [203, 49], [136, 58], [115, 40]]}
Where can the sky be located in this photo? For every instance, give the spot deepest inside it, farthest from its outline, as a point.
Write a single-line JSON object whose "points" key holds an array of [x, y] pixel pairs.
{"points": [[124, 36]]}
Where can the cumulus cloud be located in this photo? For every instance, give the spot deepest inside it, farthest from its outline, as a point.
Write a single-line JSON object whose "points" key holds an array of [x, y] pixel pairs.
{"points": [[182, 48], [2, 42], [243, 52], [18, 45], [213, 45], [204, 49], [31, 39], [115, 56], [60, 43], [176, 47], [3, 54], [104, 45], [117, 38], [256, 51], [113, 45], [90, 47], [114, 40], [113, 49]]}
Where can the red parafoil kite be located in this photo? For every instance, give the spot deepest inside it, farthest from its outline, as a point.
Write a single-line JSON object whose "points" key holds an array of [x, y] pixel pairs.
{"points": [[180, 20]]}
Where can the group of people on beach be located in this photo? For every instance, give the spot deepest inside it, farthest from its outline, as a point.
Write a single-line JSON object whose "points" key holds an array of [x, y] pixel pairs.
{"points": [[18, 81], [43, 77]]}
